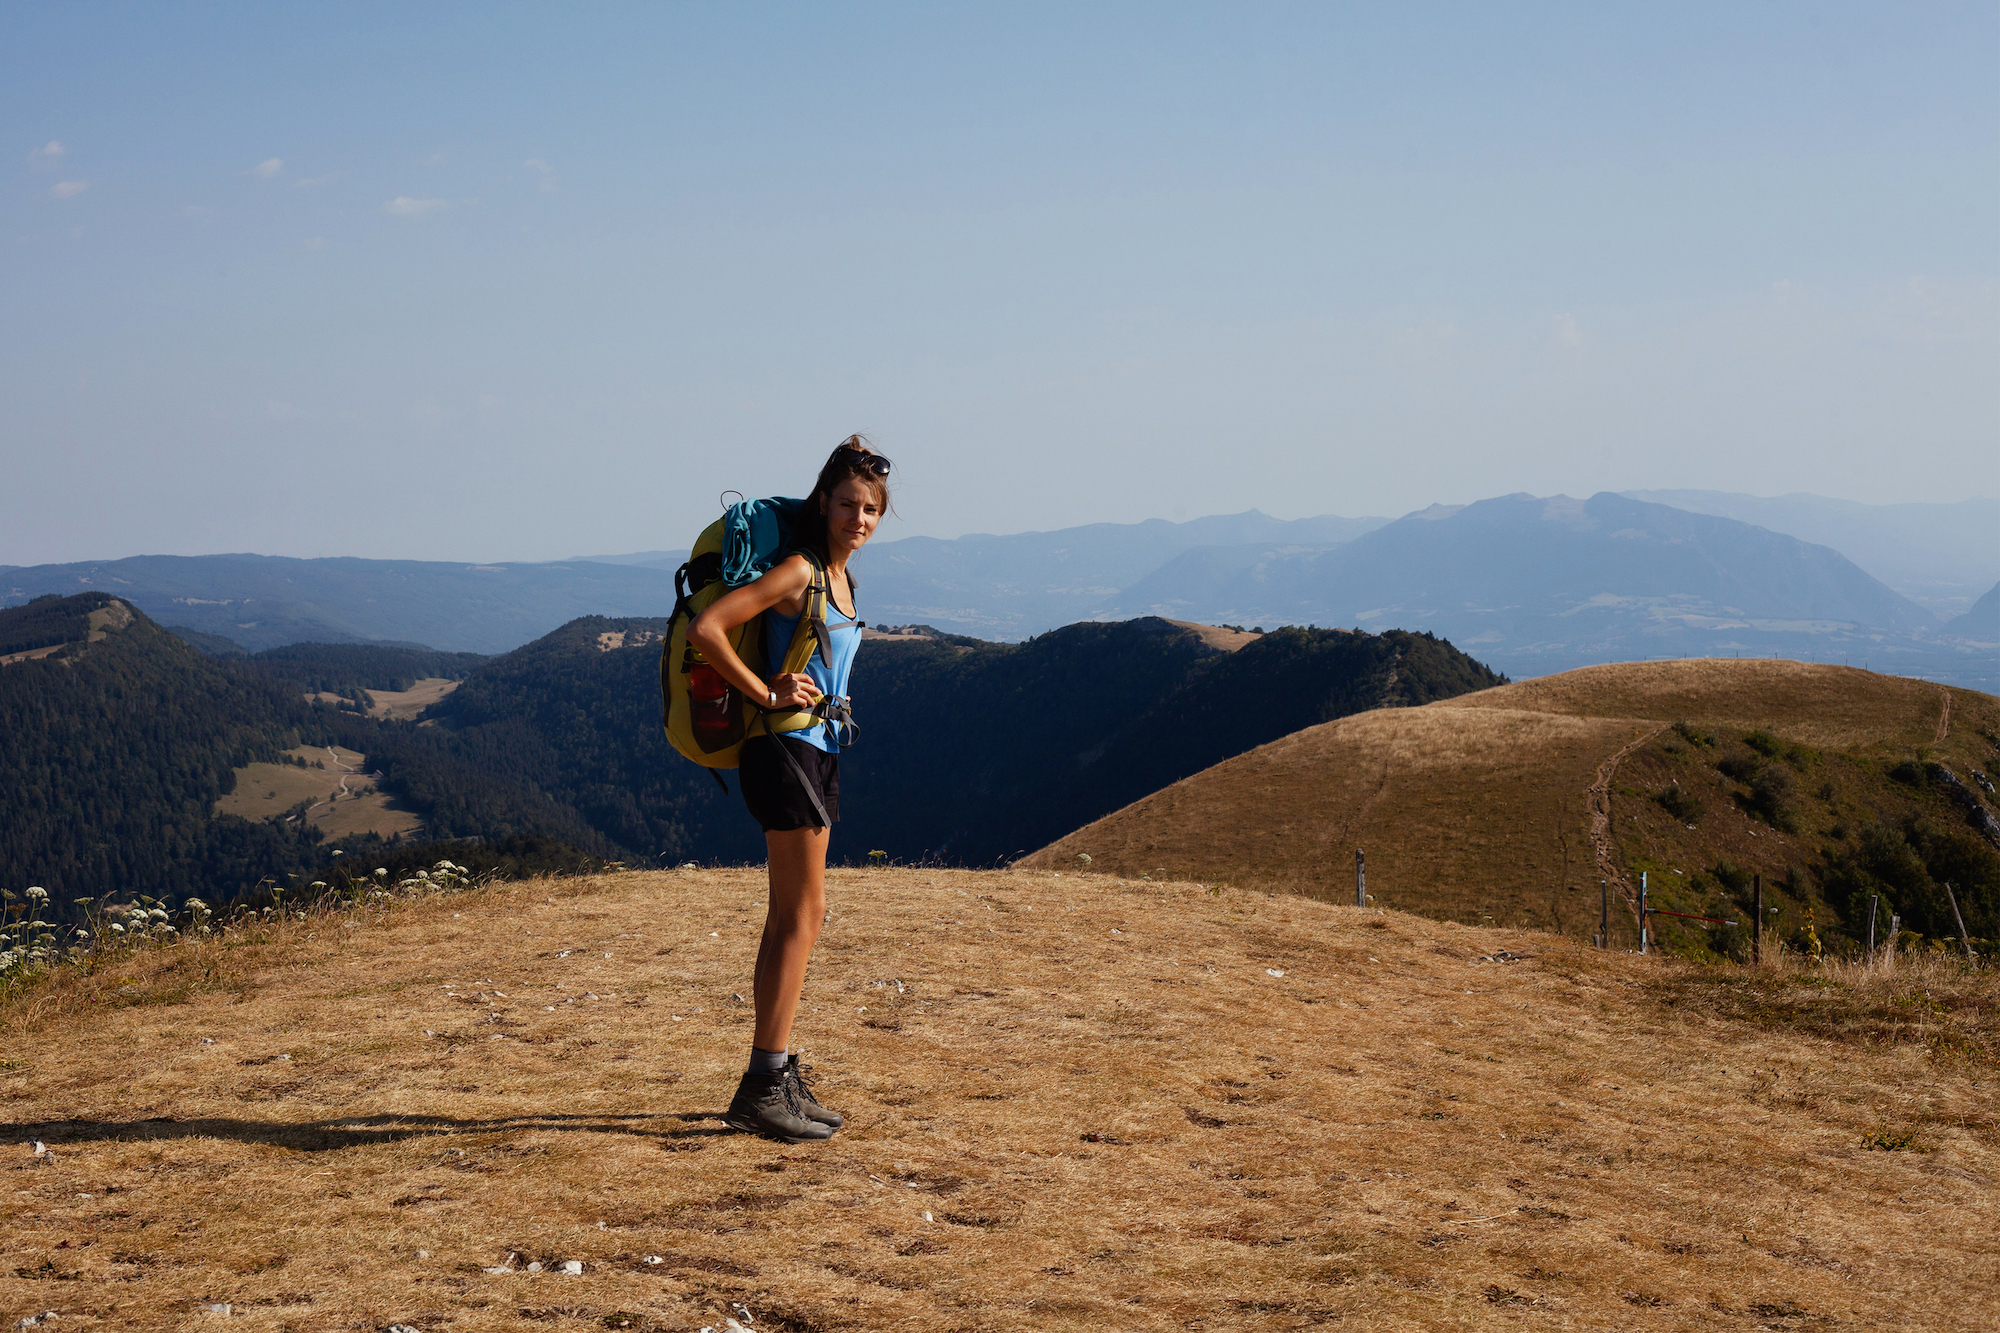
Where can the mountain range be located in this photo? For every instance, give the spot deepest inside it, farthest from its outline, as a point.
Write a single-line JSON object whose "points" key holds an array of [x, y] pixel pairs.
{"points": [[1533, 584], [1542, 585]]}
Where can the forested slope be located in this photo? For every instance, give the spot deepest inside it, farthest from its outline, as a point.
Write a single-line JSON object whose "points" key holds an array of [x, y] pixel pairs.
{"points": [[117, 745], [969, 752]]}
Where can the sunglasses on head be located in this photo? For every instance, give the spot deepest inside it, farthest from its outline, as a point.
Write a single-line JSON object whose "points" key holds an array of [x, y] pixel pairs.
{"points": [[855, 458]]}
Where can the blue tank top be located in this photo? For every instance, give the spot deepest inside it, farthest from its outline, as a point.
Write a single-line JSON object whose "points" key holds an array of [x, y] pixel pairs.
{"points": [[845, 631]]}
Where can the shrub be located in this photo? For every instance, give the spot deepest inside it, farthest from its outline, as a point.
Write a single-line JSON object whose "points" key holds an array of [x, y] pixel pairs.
{"points": [[1677, 801], [1910, 773], [1774, 796], [1688, 732], [1742, 768], [1731, 876], [1731, 942]]}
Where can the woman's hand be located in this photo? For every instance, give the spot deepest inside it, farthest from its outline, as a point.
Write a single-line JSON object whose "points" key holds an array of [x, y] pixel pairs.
{"points": [[794, 689]]}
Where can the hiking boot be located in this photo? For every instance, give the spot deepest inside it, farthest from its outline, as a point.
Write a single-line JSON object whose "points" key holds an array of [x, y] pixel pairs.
{"points": [[766, 1104], [808, 1104]]}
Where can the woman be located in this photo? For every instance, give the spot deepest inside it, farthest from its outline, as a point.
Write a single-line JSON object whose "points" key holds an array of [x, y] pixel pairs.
{"points": [[791, 780]]}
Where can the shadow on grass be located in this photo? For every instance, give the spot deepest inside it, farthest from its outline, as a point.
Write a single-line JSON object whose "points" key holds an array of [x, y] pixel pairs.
{"points": [[358, 1131]]}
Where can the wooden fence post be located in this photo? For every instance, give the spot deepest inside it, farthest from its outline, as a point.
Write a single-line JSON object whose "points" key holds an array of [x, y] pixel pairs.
{"points": [[1874, 900], [1604, 914], [1963, 938], [1643, 932], [1360, 878], [1757, 906]]}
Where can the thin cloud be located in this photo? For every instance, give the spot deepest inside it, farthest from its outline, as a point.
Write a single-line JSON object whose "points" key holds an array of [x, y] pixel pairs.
{"points": [[403, 206], [269, 167], [69, 189], [51, 151]]}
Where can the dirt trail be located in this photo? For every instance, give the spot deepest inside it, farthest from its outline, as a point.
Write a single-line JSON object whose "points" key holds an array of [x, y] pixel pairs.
{"points": [[346, 771], [1944, 716], [1601, 841]]}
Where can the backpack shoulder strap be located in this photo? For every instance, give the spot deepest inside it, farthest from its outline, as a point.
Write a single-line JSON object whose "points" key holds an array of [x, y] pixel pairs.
{"points": [[813, 617]]}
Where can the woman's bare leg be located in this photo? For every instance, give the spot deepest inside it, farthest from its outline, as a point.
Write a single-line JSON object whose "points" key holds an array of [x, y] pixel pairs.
{"points": [[792, 920]]}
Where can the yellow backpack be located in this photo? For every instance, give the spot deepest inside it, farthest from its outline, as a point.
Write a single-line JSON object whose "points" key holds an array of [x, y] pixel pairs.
{"points": [[706, 717]]}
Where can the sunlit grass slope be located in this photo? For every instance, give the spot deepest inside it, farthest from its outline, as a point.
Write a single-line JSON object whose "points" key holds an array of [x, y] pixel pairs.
{"points": [[1480, 807], [1075, 1103]]}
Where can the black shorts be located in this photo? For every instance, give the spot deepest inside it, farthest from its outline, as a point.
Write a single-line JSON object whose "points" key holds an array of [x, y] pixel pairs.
{"points": [[772, 791]]}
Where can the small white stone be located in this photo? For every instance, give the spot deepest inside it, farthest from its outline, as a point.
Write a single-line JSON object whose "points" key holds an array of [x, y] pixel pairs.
{"points": [[40, 1147], [654, 1259], [928, 1217], [535, 1267], [1273, 972], [423, 1254], [572, 1266]]}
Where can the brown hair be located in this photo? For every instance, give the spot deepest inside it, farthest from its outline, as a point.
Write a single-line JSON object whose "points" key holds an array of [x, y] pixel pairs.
{"points": [[850, 461]]}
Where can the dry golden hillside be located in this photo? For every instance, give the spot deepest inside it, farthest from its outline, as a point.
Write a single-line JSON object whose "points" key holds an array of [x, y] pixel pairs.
{"points": [[1511, 804], [1076, 1103]]}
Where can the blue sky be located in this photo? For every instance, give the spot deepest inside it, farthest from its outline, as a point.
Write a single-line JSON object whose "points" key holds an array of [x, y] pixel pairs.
{"points": [[526, 281]]}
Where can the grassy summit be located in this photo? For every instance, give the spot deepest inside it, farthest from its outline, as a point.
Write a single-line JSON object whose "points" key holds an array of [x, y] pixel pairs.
{"points": [[1510, 804], [1074, 1102]]}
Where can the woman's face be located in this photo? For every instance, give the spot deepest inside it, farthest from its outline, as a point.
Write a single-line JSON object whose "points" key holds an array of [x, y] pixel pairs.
{"points": [[852, 512]]}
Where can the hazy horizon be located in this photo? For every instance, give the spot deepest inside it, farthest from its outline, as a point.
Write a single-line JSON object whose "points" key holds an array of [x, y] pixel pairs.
{"points": [[889, 532]]}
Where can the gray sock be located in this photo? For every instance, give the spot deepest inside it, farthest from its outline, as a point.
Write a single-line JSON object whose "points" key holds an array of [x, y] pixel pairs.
{"points": [[766, 1062]]}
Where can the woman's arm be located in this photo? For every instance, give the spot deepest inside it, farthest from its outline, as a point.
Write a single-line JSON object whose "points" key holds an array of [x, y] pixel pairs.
{"points": [[709, 633]]}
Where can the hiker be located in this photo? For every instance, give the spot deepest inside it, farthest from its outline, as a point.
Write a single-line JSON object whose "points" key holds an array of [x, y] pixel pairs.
{"points": [[791, 779]]}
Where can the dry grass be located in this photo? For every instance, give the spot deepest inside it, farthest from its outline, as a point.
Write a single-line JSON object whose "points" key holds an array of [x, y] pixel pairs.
{"points": [[344, 799], [1114, 1112], [1815, 704], [404, 704], [1475, 809]]}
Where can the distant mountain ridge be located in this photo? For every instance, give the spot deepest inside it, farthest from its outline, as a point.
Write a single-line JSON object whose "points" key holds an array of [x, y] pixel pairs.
{"points": [[1941, 556], [1541, 584], [1981, 624], [1536, 584], [264, 601], [1030, 582]]}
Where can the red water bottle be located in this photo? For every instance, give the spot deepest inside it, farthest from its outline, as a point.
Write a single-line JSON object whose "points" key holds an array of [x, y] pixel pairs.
{"points": [[712, 707]]}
